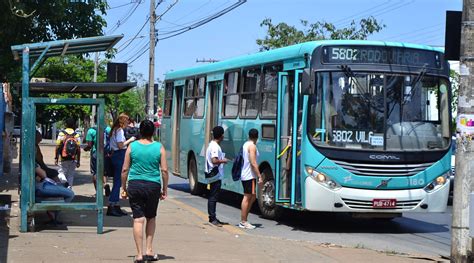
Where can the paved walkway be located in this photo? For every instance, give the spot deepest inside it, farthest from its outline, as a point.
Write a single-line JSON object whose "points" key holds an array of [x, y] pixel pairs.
{"points": [[183, 235]]}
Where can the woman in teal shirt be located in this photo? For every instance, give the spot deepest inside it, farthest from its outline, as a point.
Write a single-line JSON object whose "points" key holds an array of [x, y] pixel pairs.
{"points": [[146, 186]]}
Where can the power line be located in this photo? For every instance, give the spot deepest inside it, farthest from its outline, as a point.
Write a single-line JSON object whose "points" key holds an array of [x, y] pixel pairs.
{"points": [[377, 13], [411, 32], [350, 18], [203, 21], [187, 23], [193, 26], [423, 34], [125, 18], [143, 49], [147, 46], [135, 47], [141, 28], [110, 8]]}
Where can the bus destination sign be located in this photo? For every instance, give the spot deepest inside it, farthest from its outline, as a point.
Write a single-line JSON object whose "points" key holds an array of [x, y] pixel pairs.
{"points": [[380, 55]]}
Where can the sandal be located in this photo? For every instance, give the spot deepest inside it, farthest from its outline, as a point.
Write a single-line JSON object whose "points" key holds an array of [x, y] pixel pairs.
{"points": [[151, 257], [139, 260]]}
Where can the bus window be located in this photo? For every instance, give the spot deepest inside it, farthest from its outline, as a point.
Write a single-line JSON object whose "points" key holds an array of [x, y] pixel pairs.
{"points": [[230, 100], [189, 98], [249, 98], [200, 94], [269, 92], [168, 100]]}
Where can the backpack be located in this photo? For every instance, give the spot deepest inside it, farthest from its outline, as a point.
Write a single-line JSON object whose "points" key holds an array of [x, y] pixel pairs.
{"points": [[237, 166], [69, 146], [130, 132]]}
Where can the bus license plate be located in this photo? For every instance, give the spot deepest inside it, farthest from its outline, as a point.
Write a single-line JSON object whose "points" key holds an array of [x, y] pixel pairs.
{"points": [[384, 203]]}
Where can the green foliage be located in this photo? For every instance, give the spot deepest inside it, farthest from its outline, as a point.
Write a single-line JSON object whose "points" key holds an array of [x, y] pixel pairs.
{"points": [[69, 68], [282, 34], [50, 20], [36, 21]]}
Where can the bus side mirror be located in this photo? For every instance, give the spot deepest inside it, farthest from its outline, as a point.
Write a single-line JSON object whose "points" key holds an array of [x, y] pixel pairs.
{"points": [[307, 84]]}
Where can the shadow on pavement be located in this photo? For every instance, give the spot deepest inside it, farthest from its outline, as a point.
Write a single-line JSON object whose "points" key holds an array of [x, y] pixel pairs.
{"points": [[83, 218], [325, 222]]}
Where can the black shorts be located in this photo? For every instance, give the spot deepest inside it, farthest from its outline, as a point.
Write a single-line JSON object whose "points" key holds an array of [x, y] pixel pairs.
{"points": [[144, 197], [249, 186]]}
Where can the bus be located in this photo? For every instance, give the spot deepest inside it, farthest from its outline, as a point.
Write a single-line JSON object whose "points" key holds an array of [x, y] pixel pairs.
{"points": [[345, 125]]}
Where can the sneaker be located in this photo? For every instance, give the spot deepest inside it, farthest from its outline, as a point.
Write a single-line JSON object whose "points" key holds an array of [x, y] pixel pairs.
{"points": [[120, 211], [216, 223], [112, 211], [107, 190], [222, 223], [246, 225]]}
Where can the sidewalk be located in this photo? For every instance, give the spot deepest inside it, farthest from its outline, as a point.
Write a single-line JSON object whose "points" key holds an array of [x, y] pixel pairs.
{"points": [[183, 235]]}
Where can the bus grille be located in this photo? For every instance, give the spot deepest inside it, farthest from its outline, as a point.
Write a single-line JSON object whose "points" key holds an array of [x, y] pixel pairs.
{"points": [[364, 204], [391, 170]]}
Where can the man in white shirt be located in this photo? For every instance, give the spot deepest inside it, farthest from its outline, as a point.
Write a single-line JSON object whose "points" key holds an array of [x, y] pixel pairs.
{"points": [[248, 177], [214, 171]]}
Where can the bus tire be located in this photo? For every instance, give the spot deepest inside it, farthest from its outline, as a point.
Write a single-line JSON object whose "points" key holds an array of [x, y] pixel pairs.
{"points": [[194, 186], [266, 197]]}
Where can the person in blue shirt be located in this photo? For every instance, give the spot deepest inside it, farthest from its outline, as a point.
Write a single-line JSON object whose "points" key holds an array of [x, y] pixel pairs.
{"points": [[91, 139]]}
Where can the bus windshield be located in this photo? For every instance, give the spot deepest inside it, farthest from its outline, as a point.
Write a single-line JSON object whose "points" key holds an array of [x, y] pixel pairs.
{"points": [[379, 111]]}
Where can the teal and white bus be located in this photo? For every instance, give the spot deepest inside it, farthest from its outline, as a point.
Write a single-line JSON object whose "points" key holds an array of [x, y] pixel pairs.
{"points": [[345, 126]]}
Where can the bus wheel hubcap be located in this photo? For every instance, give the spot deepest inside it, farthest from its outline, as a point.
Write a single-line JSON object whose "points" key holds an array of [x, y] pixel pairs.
{"points": [[268, 192]]}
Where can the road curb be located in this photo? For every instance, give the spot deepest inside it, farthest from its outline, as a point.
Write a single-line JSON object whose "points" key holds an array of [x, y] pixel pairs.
{"points": [[228, 228]]}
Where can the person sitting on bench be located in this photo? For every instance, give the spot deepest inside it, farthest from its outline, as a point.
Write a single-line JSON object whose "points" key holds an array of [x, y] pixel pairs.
{"points": [[46, 187], [50, 173]]}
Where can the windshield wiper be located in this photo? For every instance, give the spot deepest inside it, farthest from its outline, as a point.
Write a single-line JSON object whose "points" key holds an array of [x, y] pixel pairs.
{"points": [[350, 74], [414, 84]]}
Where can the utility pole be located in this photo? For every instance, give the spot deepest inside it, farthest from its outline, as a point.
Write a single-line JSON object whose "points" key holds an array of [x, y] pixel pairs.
{"points": [[94, 96], [151, 72], [461, 242]]}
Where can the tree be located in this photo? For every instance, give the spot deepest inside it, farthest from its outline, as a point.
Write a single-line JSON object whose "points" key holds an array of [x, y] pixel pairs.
{"points": [[36, 20], [282, 34]]}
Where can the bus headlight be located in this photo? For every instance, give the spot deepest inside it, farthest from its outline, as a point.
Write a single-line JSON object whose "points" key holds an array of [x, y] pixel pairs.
{"points": [[322, 179], [436, 183]]}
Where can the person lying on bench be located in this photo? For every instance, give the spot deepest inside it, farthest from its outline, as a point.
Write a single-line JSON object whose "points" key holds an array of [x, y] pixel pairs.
{"points": [[46, 187]]}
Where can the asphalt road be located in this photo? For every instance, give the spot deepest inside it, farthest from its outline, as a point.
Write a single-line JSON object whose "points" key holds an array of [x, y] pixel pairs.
{"points": [[414, 233]]}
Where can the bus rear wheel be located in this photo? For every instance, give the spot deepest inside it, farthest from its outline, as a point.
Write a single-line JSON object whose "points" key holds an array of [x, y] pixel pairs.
{"points": [[194, 186], [266, 197]]}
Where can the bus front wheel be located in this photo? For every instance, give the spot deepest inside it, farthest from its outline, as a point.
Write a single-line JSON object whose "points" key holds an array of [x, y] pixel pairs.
{"points": [[266, 197], [194, 186]]}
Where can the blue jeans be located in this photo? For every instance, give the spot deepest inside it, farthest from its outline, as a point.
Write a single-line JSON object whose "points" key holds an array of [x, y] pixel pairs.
{"points": [[52, 190], [117, 161]]}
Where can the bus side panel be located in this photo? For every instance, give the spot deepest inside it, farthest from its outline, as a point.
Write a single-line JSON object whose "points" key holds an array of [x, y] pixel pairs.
{"points": [[165, 138], [192, 138], [236, 134], [233, 140]]}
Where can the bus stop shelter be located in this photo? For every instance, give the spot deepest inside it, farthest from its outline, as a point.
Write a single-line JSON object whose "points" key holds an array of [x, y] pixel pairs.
{"points": [[36, 54]]}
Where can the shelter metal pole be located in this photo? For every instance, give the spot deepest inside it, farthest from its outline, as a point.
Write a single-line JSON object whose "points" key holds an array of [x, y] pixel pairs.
{"points": [[2, 128], [25, 152]]}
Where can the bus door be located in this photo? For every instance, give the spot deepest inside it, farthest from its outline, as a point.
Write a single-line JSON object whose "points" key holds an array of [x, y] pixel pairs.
{"points": [[288, 143], [175, 142], [212, 110]]}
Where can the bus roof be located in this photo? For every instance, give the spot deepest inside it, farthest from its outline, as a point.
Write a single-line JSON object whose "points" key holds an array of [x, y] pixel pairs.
{"points": [[281, 54]]}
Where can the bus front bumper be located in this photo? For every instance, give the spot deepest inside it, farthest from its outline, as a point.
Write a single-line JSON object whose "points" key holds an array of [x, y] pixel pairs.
{"points": [[320, 198]]}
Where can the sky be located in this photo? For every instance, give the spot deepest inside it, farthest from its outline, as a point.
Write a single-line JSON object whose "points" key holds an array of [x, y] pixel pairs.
{"points": [[235, 33]]}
